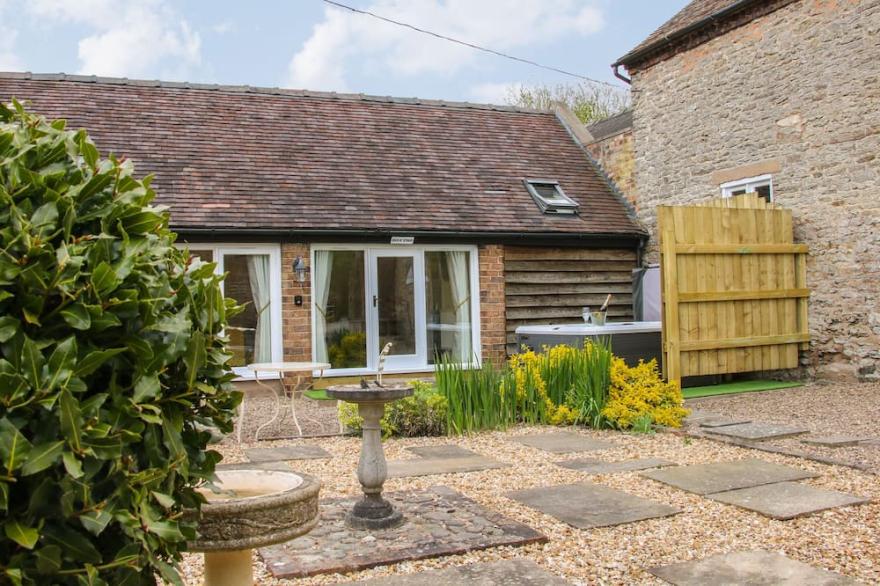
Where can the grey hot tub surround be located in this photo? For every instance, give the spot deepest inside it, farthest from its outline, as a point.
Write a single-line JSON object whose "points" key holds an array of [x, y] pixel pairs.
{"points": [[632, 341]]}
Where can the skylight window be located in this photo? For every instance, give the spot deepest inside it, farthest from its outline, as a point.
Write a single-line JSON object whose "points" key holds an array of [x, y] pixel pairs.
{"points": [[549, 196]]}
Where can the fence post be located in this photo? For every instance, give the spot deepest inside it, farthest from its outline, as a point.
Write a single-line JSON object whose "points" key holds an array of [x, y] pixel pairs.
{"points": [[670, 326]]}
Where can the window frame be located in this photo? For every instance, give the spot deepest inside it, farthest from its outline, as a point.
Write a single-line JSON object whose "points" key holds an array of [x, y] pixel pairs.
{"points": [[568, 205], [749, 184], [219, 250], [372, 334]]}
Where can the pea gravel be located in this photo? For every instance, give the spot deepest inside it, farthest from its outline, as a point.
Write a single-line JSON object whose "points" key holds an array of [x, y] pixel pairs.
{"points": [[842, 540]]}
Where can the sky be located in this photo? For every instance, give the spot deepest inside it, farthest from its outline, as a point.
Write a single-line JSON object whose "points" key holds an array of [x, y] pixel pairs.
{"points": [[308, 44]]}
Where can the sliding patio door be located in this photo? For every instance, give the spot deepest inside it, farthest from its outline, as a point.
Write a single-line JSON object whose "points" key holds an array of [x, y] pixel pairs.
{"points": [[397, 299]]}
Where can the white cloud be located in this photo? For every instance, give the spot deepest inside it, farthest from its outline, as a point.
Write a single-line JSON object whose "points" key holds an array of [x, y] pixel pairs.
{"points": [[342, 36], [131, 38], [9, 60], [492, 92], [221, 28]]}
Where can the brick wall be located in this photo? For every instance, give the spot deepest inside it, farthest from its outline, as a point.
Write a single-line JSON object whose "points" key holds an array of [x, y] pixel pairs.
{"points": [[795, 91], [616, 155], [492, 315], [296, 320]]}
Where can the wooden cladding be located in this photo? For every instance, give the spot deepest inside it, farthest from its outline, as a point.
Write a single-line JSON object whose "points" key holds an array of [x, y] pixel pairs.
{"points": [[552, 285], [734, 288]]}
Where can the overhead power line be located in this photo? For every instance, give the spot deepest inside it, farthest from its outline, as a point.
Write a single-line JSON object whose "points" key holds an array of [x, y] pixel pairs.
{"points": [[471, 45]]}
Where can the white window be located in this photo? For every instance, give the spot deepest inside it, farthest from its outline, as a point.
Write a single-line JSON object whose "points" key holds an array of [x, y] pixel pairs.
{"points": [[762, 185], [254, 280], [549, 196], [424, 300]]}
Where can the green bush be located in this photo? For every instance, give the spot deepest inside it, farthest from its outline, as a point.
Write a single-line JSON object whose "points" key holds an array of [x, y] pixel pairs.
{"points": [[111, 366], [422, 414]]}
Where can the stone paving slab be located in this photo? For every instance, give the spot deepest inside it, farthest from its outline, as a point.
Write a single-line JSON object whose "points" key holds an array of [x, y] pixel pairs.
{"points": [[515, 572], [786, 500], [442, 451], [439, 522], [752, 568], [587, 505], [759, 431], [429, 466], [594, 466], [698, 416], [715, 477], [562, 442], [286, 453], [834, 441], [722, 421]]}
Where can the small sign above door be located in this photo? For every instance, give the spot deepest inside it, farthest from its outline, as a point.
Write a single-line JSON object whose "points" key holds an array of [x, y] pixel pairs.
{"points": [[402, 239]]}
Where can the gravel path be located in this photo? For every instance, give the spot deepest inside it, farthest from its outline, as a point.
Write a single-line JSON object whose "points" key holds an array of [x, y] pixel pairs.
{"points": [[824, 408], [843, 540]]}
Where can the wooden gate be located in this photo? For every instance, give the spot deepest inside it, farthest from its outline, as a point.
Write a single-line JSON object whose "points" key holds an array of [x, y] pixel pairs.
{"points": [[734, 288]]}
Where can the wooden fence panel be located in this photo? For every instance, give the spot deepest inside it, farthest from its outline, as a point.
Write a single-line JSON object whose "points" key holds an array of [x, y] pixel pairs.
{"points": [[734, 288]]}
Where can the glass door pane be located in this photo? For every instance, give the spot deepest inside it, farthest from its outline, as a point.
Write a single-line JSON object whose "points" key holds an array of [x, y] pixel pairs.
{"points": [[250, 332], [340, 314], [448, 305], [395, 276]]}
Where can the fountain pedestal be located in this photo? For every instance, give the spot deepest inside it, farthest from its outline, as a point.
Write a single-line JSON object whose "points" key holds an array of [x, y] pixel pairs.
{"points": [[372, 511], [254, 508]]}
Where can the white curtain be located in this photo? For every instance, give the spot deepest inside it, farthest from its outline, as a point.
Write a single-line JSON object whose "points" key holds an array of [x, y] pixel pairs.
{"points": [[258, 274], [321, 282], [457, 265]]}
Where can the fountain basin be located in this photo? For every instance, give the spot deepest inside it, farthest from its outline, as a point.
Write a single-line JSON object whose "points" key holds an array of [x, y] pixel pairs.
{"points": [[255, 508], [357, 394]]}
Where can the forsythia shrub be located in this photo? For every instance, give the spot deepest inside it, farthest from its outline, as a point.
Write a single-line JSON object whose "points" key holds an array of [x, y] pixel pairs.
{"points": [[638, 392]]}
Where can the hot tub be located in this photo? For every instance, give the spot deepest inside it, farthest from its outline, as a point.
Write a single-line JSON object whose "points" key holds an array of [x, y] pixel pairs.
{"points": [[631, 341]]}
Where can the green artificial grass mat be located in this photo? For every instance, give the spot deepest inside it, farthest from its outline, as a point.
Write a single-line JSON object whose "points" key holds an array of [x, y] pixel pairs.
{"points": [[746, 386], [318, 395]]}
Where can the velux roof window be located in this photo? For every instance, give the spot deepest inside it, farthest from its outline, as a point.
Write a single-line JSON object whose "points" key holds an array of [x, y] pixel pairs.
{"points": [[550, 197]]}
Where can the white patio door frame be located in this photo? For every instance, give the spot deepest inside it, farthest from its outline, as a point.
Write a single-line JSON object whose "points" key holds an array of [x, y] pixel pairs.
{"points": [[400, 361], [392, 365], [220, 251]]}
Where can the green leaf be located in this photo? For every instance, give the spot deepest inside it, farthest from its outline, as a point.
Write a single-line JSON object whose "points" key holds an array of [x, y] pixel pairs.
{"points": [[4, 496], [32, 362], [88, 151], [24, 536], [142, 222], [147, 387], [93, 360], [71, 424], [72, 464], [163, 499], [48, 559], [45, 214], [166, 530], [61, 362], [41, 457], [77, 316], [194, 358], [75, 544], [14, 447], [104, 279], [9, 326], [95, 521]]}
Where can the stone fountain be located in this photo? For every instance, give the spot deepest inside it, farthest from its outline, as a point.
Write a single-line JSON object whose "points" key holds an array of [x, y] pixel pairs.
{"points": [[372, 511], [251, 508]]}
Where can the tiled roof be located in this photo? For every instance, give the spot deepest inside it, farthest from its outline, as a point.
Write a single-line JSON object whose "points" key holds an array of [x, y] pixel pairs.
{"points": [[611, 125], [698, 17], [250, 159]]}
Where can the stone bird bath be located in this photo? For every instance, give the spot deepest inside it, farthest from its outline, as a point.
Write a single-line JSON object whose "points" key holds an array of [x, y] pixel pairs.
{"points": [[372, 511], [253, 508]]}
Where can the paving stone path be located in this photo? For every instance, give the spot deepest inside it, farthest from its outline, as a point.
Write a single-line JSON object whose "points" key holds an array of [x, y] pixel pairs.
{"points": [[721, 421], [515, 572], [715, 477], [442, 451], [834, 441], [430, 466], [286, 453], [439, 521], [594, 466], [754, 568], [562, 442], [586, 505], [787, 500], [758, 431]]}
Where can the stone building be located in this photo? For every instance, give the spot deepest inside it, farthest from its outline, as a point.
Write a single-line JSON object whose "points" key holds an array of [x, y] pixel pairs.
{"points": [[782, 98], [611, 144]]}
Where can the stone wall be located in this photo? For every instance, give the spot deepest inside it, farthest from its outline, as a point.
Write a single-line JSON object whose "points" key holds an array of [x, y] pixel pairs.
{"points": [[796, 92], [616, 155]]}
